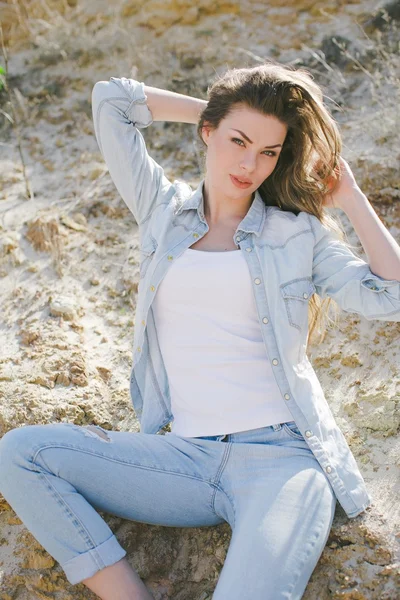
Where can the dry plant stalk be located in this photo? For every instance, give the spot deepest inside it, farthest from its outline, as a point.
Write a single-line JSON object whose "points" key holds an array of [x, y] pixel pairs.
{"points": [[14, 119]]}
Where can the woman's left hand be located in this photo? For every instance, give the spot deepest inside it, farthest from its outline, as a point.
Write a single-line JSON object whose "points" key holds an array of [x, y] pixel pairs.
{"points": [[341, 187]]}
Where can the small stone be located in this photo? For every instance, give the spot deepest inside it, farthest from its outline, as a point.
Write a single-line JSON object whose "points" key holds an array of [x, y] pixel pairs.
{"points": [[63, 379], [7, 245], [38, 560], [104, 373], [71, 224], [63, 307], [80, 380], [80, 218], [47, 382]]}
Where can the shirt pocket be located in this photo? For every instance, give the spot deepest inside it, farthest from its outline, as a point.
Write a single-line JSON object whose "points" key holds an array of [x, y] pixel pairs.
{"points": [[296, 295], [147, 251]]}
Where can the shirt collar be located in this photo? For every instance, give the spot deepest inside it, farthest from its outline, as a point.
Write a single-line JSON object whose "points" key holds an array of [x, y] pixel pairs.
{"points": [[253, 222]]}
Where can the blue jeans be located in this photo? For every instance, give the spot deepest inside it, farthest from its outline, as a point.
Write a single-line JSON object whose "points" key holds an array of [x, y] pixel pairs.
{"points": [[264, 482]]}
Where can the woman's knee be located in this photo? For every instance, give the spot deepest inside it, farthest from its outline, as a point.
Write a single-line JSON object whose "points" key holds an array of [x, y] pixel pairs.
{"points": [[12, 449], [14, 442], [18, 445]]}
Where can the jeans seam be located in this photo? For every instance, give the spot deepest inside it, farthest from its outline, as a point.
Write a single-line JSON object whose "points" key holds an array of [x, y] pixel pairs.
{"points": [[82, 531], [216, 482], [218, 488], [119, 461], [212, 483]]}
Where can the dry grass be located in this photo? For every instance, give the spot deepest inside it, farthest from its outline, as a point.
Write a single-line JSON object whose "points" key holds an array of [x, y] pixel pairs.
{"points": [[14, 118], [23, 21]]}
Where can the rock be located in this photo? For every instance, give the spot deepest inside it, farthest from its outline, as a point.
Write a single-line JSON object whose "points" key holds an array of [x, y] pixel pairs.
{"points": [[64, 307], [42, 379], [38, 560], [104, 373], [79, 379], [8, 243], [71, 224], [63, 379], [78, 374]]}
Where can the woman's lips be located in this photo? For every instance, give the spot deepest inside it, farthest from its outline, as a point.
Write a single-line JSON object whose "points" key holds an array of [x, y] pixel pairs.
{"points": [[238, 183]]}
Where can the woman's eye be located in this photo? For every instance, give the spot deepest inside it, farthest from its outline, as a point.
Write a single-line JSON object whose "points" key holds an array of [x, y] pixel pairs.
{"points": [[271, 152]]}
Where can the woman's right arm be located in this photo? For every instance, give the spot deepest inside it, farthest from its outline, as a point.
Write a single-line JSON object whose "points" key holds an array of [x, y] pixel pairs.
{"points": [[170, 106], [120, 108]]}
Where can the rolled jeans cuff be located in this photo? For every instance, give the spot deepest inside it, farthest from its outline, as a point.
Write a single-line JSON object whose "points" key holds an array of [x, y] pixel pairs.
{"points": [[89, 563]]}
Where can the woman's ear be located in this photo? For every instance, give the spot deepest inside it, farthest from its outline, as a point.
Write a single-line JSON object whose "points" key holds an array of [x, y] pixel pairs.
{"points": [[205, 133]]}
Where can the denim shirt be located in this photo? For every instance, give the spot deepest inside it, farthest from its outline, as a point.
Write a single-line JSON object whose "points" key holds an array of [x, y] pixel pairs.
{"points": [[289, 259]]}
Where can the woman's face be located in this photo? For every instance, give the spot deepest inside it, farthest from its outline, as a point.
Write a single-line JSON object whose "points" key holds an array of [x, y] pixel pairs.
{"points": [[230, 153]]}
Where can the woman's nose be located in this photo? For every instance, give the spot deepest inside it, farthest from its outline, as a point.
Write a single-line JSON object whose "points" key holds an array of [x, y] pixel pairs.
{"points": [[248, 163]]}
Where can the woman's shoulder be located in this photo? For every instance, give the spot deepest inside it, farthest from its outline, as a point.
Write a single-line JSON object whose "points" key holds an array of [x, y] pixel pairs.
{"points": [[302, 226], [287, 224]]}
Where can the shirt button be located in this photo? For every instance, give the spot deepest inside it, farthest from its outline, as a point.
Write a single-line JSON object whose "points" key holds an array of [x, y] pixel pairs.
{"points": [[275, 361], [257, 281], [328, 469], [309, 434], [152, 288], [143, 322], [265, 320], [138, 349], [170, 257], [287, 396], [248, 249], [238, 239], [195, 235], [305, 295]]}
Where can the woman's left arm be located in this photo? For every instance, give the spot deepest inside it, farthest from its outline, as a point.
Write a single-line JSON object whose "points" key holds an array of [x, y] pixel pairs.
{"points": [[381, 248]]}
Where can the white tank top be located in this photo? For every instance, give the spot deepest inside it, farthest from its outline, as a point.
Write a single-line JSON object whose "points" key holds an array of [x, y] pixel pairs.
{"points": [[219, 374]]}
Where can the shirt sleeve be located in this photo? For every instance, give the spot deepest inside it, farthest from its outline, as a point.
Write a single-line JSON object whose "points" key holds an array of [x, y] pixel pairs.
{"points": [[120, 109], [340, 274]]}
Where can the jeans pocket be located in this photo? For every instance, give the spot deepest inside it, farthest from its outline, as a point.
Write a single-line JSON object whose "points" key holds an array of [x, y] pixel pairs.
{"points": [[291, 428]]}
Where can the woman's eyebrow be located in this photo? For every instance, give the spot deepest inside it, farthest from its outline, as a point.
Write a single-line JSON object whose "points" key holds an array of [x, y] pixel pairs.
{"points": [[249, 140]]}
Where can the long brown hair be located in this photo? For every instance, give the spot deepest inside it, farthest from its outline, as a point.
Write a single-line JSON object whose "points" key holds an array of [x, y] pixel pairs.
{"points": [[311, 150]]}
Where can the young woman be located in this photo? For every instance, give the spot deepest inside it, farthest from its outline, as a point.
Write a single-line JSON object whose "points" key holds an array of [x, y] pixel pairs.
{"points": [[228, 276]]}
